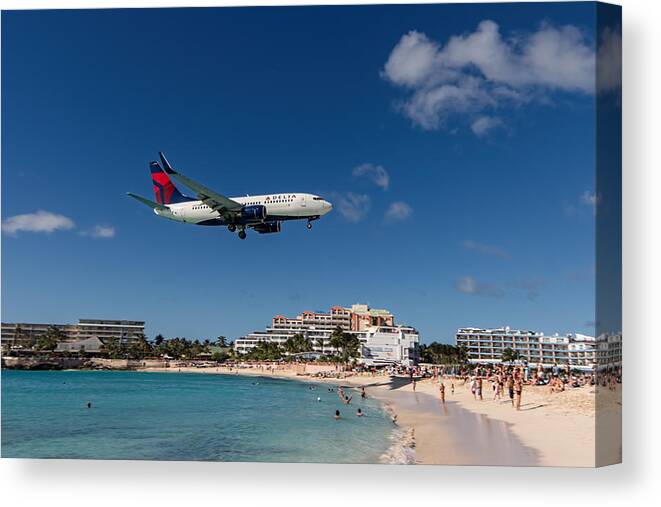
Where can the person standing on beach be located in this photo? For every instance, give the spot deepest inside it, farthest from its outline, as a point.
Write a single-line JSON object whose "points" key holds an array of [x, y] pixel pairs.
{"points": [[452, 388], [510, 388], [414, 385], [442, 392], [479, 388], [518, 387]]}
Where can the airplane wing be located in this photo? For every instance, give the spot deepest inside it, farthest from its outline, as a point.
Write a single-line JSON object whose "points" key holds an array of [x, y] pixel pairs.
{"points": [[212, 199]]}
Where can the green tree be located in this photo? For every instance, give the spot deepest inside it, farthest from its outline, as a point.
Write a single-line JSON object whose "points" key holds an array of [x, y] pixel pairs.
{"points": [[195, 349], [113, 348], [140, 348], [220, 357], [297, 343], [346, 345], [49, 340], [265, 351], [158, 339], [221, 341]]}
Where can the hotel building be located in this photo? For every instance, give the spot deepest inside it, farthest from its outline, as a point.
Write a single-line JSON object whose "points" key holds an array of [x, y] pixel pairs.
{"points": [[382, 342], [24, 335], [580, 352]]}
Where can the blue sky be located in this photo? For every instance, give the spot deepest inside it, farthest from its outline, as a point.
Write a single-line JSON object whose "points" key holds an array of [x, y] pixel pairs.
{"points": [[462, 170]]}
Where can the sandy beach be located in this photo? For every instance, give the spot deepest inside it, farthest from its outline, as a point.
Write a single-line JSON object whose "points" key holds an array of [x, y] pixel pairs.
{"points": [[550, 429]]}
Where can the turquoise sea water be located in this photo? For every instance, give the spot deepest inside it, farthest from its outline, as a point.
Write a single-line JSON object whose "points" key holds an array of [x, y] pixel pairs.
{"points": [[184, 416]]}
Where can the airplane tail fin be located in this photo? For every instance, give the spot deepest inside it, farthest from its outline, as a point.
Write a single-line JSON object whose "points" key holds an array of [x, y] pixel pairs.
{"points": [[166, 164], [164, 189]]}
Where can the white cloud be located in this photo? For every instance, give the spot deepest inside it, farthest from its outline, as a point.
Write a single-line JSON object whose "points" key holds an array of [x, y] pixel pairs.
{"points": [[468, 285], [485, 124], [100, 231], [484, 249], [398, 211], [412, 60], [353, 207], [609, 61], [376, 173], [589, 198], [41, 221], [481, 71]]}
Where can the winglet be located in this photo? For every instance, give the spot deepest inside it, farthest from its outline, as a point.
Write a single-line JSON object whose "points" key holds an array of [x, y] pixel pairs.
{"points": [[166, 164]]}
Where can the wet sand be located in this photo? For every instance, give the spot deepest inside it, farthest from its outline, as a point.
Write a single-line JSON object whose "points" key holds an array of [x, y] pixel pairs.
{"points": [[449, 434]]}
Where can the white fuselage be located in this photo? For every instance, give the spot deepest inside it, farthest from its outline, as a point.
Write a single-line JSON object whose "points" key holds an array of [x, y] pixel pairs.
{"points": [[278, 207]]}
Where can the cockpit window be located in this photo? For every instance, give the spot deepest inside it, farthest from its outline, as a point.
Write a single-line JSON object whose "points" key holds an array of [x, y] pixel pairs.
{"points": [[317, 199]]}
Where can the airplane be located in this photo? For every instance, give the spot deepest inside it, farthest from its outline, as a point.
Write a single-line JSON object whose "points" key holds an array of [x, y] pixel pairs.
{"points": [[263, 213]]}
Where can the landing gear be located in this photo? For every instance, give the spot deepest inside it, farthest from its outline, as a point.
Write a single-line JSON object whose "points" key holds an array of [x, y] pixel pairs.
{"points": [[309, 225], [231, 227], [242, 234]]}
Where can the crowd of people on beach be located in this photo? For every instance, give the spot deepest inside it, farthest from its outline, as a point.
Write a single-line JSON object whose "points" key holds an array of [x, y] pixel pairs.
{"points": [[509, 380]]}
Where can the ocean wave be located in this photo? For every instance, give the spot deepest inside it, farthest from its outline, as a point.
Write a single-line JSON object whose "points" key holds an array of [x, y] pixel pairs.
{"points": [[402, 449]]}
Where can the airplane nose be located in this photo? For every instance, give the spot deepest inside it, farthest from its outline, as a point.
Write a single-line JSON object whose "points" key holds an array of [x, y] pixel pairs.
{"points": [[328, 206]]}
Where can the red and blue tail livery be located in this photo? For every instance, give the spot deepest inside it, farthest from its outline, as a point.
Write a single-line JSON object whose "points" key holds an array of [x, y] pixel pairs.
{"points": [[164, 189], [262, 213]]}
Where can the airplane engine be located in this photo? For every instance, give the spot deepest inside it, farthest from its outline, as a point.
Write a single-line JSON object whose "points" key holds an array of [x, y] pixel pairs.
{"points": [[268, 227], [256, 212]]}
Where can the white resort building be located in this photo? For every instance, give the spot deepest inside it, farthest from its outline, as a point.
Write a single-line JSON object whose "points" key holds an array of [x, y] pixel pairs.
{"points": [[580, 352], [382, 341]]}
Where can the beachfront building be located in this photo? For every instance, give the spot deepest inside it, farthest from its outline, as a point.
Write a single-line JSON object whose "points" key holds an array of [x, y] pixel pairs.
{"points": [[382, 342], [25, 335], [578, 351], [19, 335], [91, 345]]}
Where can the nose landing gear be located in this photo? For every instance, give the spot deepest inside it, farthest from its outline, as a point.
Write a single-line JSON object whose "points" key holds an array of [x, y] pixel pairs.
{"points": [[309, 225]]}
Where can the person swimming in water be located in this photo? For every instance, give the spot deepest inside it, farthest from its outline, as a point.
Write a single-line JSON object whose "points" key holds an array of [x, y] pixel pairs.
{"points": [[89, 404], [337, 415], [359, 413]]}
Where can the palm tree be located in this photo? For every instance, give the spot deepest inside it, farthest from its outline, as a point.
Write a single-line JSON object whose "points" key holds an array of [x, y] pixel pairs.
{"points": [[49, 340], [346, 345], [337, 339], [140, 348], [297, 343]]}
